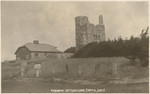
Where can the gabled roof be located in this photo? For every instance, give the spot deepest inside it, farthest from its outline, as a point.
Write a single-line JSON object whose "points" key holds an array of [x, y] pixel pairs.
{"points": [[39, 47]]}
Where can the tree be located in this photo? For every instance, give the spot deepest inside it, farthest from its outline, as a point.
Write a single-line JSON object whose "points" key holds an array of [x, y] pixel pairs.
{"points": [[132, 47], [70, 50]]}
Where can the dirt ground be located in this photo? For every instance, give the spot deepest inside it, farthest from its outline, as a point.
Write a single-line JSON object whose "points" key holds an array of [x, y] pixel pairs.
{"points": [[46, 87]]}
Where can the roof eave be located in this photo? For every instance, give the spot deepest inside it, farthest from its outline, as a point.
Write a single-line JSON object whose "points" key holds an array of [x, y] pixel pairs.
{"points": [[48, 51]]}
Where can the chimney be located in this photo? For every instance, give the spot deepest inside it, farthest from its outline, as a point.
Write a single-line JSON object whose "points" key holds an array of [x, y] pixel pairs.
{"points": [[36, 41]]}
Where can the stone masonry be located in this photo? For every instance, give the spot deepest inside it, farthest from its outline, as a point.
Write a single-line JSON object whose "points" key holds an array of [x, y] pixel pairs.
{"points": [[87, 32]]}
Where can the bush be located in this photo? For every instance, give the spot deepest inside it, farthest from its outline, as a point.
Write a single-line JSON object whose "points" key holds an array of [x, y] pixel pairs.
{"points": [[10, 72], [70, 50], [135, 47]]}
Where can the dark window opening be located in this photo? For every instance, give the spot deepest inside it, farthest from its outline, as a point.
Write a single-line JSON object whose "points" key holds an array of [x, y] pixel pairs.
{"points": [[36, 54], [67, 68]]}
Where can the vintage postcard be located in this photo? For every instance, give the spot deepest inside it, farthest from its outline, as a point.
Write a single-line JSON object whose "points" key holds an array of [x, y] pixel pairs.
{"points": [[74, 46]]}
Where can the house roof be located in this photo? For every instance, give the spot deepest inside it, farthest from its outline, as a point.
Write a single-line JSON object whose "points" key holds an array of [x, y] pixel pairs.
{"points": [[40, 47]]}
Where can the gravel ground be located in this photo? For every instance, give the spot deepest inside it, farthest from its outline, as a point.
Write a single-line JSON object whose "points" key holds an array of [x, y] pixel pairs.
{"points": [[46, 87]]}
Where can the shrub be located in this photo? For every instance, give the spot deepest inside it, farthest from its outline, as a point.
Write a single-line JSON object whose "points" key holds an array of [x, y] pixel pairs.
{"points": [[131, 48]]}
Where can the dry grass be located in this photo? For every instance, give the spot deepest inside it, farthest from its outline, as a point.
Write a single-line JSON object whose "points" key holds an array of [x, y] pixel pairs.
{"points": [[10, 72], [82, 68], [133, 72]]}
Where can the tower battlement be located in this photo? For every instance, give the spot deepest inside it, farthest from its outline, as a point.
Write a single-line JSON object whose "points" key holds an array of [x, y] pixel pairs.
{"points": [[87, 32]]}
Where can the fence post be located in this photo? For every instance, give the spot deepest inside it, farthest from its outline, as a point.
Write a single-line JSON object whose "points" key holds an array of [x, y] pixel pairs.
{"points": [[115, 69], [23, 64], [22, 72], [37, 72], [37, 68]]}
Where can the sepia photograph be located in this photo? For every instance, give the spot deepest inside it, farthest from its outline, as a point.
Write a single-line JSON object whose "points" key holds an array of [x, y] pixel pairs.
{"points": [[74, 46]]}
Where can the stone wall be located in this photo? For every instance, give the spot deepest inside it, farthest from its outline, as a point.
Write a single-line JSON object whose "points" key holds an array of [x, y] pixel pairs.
{"points": [[65, 55], [87, 68], [87, 32], [42, 56]]}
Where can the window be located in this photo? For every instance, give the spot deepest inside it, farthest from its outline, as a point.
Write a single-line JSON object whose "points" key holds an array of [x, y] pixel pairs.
{"points": [[27, 56], [99, 37], [36, 54]]}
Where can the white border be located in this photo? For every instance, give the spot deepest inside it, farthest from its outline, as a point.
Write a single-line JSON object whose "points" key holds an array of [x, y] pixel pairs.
{"points": [[75, 1]]}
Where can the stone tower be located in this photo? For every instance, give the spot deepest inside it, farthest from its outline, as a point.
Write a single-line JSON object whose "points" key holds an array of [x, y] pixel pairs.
{"points": [[87, 32]]}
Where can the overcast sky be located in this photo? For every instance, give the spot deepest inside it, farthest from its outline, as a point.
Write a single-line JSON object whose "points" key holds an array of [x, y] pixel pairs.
{"points": [[53, 22]]}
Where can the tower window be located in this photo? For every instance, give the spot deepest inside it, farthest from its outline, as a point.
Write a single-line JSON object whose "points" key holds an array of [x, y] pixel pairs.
{"points": [[36, 54]]}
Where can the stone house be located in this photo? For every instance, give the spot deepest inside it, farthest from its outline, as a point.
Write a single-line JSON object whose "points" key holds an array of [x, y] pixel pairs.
{"points": [[40, 51]]}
